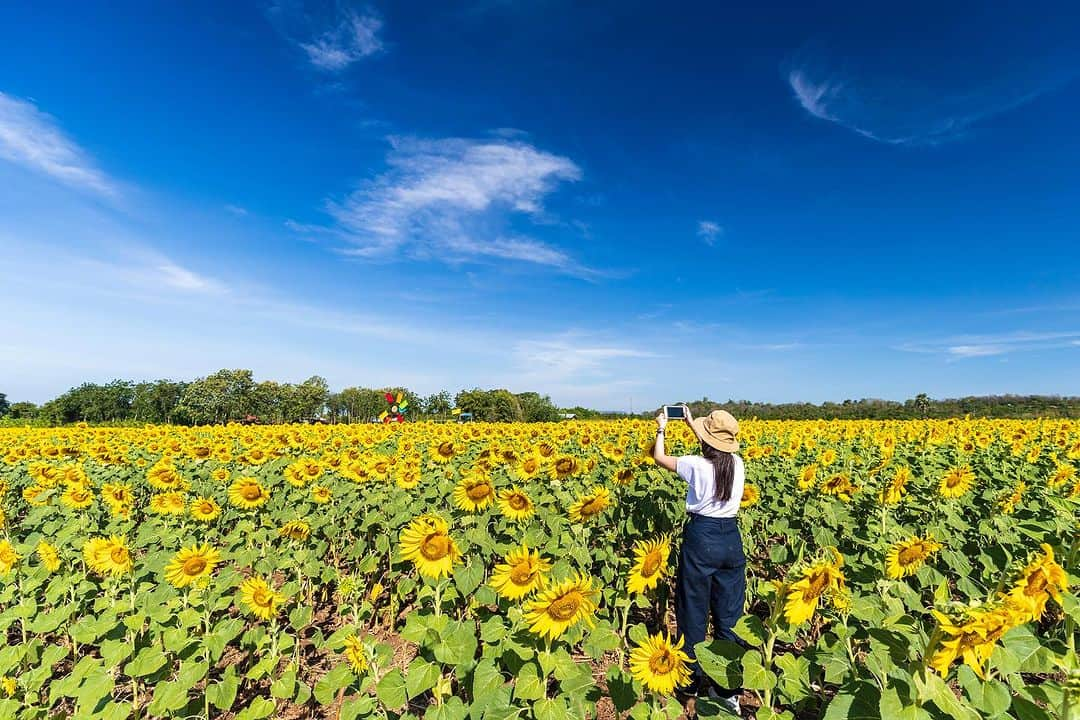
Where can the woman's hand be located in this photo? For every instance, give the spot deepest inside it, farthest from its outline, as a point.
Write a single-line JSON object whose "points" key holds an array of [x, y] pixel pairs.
{"points": [[687, 415], [661, 421]]}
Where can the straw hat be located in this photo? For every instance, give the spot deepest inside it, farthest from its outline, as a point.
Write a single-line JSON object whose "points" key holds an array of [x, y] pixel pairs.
{"points": [[718, 429]]}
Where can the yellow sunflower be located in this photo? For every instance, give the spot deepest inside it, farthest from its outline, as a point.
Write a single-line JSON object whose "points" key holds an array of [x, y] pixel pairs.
{"points": [[839, 485], [650, 564], [248, 493], [77, 497], [561, 606], [1039, 580], [168, 503], [808, 477], [894, 491], [48, 555], [564, 467], [444, 452], [356, 654], [523, 572], [591, 504], [427, 543], [956, 482], [660, 664], [302, 472], [971, 639], [907, 556], [260, 598], [192, 565], [204, 509], [108, 556], [320, 494], [516, 504], [163, 476], [295, 530], [474, 492], [528, 467], [8, 557], [750, 495], [821, 579], [623, 476], [220, 474]]}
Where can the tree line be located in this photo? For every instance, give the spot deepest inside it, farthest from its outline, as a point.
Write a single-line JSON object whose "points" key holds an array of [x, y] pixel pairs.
{"points": [[235, 396], [919, 407]]}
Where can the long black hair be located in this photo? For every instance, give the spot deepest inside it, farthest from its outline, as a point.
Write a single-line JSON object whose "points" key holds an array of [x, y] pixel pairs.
{"points": [[723, 469]]}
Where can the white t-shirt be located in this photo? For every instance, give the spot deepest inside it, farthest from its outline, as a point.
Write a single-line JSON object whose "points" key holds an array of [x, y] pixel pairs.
{"points": [[700, 479]]}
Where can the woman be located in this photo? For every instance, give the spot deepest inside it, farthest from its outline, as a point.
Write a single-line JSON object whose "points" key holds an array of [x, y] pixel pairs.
{"points": [[712, 567]]}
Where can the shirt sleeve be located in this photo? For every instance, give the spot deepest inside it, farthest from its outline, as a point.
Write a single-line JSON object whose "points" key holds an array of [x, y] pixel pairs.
{"points": [[685, 468]]}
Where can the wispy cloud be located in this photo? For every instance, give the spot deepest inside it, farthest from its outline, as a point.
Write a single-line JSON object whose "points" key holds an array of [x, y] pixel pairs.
{"points": [[34, 140], [236, 210], [352, 38], [973, 346], [453, 200], [900, 111], [709, 231]]}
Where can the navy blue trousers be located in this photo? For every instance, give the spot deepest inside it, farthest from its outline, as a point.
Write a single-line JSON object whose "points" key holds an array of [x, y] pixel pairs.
{"points": [[711, 580]]}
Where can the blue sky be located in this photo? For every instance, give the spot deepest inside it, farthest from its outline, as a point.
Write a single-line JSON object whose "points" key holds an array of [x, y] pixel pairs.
{"points": [[625, 202]]}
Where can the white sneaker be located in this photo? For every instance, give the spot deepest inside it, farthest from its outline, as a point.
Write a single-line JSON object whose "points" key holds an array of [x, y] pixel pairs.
{"points": [[732, 704]]}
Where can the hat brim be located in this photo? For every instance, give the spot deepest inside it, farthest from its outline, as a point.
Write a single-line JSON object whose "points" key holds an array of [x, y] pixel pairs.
{"points": [[726, 444]]}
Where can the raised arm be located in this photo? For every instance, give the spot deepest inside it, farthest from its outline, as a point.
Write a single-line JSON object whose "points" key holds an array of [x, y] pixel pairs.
{"points": [[662, 459], [689, 418]]}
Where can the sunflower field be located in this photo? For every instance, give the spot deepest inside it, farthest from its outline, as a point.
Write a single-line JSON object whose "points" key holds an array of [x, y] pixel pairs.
{"points": [[919, 569]]}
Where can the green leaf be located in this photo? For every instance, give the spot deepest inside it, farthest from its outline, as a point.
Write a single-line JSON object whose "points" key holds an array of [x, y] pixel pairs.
{"points": [[855, 701], [327, 687], [550, 709], [147, 662], [722, 661], [222, 694], [284, 686], [528, 684], [421, 677], [755, 675], [168, 696], [357, 707], [751, 630], [391, 689], [259, 707]]}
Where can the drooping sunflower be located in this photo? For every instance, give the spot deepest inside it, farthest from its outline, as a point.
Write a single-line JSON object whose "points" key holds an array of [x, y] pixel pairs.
{"points": [[1039, 580], [356, 654], [1062, 474], [750, 495], [972, 638], [192, 565], [522, 572], [623, 476], [260, 598], [108, 556], [660, 664], [956, 482], [650, 564], [894, 491], [320, 494], [591, 504], [564, 467], [295, 530], [168, 503], [821, 579], [516, 504], [8, 557], [1008, 503], [561, 606], [204, 509], [48, 555], [808, 477], [427, 543], [474, 492], [839, 485], [248, 493], [907, 556]]}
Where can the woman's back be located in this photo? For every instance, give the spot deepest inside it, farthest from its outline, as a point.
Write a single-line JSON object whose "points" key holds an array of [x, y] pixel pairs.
{"points": [[700, 476]]}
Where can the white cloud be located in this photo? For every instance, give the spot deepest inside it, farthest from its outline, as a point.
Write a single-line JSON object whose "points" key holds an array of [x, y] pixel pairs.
{"points": [[236, 210], [34, 140], [709, 231], [353, 38], [452, 200], [903, 112], [973, 346]]}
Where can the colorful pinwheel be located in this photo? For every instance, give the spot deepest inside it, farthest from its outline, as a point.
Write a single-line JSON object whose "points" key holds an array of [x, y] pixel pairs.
{"points": [[398, 405]]}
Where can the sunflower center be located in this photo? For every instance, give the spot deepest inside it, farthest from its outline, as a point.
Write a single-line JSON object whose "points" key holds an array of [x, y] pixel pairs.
{"points": [[662, 662], [624, 475], [262, 598], [522, 574], [819, 580], [651, 564], [911, 555], [564, 466], [194, 565], [517, 501], [435, 546], [446, 449], [119, 555], [566, 607], [251, 492], [479, 491], [592, 506]]}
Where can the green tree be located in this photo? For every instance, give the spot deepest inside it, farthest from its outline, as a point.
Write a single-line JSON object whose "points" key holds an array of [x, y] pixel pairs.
{"points": [[23, 411], [226, 395], [537, 408], [5, 407]]}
